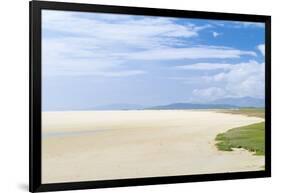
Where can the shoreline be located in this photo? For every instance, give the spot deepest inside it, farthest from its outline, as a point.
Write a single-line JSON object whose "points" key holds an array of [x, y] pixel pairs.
{"points": [[132, 144]]}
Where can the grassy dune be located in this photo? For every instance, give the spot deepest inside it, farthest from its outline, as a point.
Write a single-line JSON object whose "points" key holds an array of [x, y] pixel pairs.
{"points": [[251, 112], [250, 137]]}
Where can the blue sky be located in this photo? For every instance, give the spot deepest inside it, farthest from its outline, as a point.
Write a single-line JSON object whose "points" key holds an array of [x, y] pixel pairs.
{"points": [[94, 59]]}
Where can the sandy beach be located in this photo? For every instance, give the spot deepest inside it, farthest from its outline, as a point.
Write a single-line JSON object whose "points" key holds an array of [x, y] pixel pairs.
{"points": [[101, 145]]}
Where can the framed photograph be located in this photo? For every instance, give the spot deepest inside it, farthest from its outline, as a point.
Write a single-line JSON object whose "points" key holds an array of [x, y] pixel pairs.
{"points": [[126, 96]]}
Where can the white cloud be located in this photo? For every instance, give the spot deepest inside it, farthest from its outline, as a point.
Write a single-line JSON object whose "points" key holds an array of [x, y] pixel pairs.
{"points": [[202, 52], [239, 80], [253, 24], [140, 31], [239, 24], [215, 34], [247, 79], [205, 66], [100, 42], [208, 94], [124, 73], [187, 80], [261, 48]]}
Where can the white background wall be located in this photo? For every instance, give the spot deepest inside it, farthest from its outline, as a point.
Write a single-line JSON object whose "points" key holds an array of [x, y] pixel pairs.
{"points": [[14, 95]]}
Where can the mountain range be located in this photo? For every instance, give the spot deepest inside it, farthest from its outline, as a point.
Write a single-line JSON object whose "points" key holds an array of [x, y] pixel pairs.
{"points": [[223, 103], [118, 106], [193, 106], [241, 102]]}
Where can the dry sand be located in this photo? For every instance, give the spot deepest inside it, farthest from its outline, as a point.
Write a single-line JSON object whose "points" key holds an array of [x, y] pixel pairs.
{"points": [[101, 145]]}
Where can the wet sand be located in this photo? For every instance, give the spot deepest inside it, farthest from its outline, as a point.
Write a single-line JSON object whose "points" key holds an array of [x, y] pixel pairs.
{"points": [[102, 145]]}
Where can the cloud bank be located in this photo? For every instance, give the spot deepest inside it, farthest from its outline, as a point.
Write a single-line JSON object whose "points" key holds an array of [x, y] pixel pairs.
{"points": [[191, 55]]}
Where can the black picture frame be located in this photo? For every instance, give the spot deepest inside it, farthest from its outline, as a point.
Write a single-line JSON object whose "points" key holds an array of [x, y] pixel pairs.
{"points": [[35, 184]]}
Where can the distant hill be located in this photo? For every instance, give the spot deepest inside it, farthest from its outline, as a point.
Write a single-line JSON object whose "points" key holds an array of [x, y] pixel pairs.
{"points": [[223, 103], [120, 106], [193, 106], [241, 102]]}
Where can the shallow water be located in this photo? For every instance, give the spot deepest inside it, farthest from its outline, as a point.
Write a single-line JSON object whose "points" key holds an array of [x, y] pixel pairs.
{"points": [[69, 133]]}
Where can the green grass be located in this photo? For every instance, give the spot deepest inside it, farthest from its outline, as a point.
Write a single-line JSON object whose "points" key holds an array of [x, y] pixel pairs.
{"points": [[250, 137], [251, 112]]}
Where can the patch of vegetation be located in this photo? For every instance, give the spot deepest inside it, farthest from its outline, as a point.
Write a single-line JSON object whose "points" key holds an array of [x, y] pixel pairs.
{"points": [[250, 137], [251, 112]]}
